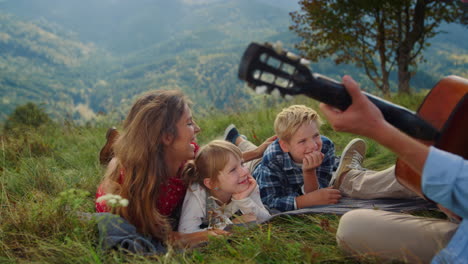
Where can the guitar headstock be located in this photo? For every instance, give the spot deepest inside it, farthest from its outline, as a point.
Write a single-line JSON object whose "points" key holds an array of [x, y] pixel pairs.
{"points": [[271, 69]]}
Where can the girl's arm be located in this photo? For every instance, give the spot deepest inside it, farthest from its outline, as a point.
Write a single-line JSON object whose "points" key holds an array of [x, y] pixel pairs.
{"points": [[193, 209], [253, 205]]}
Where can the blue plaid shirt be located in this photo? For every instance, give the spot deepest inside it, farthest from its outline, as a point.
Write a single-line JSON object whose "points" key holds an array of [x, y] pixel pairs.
{"points": [[281, 180]]}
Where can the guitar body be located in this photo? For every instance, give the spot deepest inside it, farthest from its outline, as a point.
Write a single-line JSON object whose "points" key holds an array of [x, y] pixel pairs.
{"points": [[446, 109]]}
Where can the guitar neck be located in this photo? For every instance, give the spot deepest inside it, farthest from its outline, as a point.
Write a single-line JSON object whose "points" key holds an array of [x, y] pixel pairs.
{"points": [[276, 69], [333, 93]]}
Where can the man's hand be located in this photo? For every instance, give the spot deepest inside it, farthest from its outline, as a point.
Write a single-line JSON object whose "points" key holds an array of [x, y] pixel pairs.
{"points": [[319, 197], [362, 117], [246, 193], [311, 161]]}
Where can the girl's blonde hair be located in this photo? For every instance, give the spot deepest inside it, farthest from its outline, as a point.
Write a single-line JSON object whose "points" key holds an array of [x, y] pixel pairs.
{"points": [[290, 119], [210, 161], [139, 151]]}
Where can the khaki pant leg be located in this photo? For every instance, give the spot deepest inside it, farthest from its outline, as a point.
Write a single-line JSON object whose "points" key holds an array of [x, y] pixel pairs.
{"points": [[369, 184], [246, 146], [393, 236]]}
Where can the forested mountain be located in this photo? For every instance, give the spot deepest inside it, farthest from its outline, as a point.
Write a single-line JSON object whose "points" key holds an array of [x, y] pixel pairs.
{"points": [[82, 57], [42, 64]]}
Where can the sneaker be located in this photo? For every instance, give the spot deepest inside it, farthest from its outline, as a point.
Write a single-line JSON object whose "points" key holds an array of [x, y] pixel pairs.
{"points": [[351, 158], [231, 134]]}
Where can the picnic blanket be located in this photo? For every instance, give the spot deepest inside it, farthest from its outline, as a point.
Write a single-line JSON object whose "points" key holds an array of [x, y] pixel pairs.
{"points": [[347, 204]]}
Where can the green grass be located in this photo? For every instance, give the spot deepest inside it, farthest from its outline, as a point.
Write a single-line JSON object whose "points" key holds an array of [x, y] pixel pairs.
{"points": [[49, 174]]}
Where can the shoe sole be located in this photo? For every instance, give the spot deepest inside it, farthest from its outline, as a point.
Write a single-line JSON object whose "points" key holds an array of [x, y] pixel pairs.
{"points": [[227, 130], [335, 178], [107, 153]]}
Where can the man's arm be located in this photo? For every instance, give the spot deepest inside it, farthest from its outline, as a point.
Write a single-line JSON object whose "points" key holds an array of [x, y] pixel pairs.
{"points": [[444, 174], [363, 118]]}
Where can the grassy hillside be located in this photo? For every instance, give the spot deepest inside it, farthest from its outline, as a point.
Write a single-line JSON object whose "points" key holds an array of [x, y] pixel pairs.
{"points": [[50, 173]]}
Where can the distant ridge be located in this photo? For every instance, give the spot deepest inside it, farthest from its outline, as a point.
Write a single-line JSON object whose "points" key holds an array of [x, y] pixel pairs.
{"points": [[83, 57]]}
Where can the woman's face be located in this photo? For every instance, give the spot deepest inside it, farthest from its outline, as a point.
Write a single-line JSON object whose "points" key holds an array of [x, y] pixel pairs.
{"points": [[187, 129]]}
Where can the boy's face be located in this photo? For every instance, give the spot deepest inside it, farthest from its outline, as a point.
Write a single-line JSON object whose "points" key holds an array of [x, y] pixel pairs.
{"points": [[304, 141]]}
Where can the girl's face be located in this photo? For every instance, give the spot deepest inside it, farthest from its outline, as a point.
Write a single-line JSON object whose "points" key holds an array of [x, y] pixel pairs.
{"points": [[234, 178], [187, 129]]}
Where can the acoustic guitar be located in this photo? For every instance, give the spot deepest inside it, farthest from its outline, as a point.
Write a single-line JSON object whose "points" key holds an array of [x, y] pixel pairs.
{"points": [[441, 120]]}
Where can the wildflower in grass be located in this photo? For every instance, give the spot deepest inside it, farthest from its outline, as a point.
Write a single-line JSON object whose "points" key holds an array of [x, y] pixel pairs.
{"points": [[113, 200], [124, 202]]}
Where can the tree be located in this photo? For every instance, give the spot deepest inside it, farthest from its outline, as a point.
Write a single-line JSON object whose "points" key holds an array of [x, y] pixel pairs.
{"points": [[27, 115], [374, 35]]}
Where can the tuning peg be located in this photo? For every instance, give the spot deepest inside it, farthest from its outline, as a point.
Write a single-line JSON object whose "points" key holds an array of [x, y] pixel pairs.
{"points": [[276, 93], [256, 75], [304, 62], [261, 89], [278, 47], [292, 56]]}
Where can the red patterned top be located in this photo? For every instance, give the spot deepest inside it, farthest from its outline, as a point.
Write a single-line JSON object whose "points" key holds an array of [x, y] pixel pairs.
{"points": [[171, 195]]}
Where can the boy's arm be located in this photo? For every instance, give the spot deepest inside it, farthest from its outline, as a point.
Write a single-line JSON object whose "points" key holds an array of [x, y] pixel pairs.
{"points": [[320, 176], [310, 180], [318, 197], [325, 170]]}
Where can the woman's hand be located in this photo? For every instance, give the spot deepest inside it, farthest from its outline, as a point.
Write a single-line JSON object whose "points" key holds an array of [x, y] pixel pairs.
{"points": [[182, 240], [246, 193], [260, 149]]}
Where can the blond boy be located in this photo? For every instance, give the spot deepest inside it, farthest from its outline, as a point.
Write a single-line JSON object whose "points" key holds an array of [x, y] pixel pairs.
{"points": [[296, 165]]}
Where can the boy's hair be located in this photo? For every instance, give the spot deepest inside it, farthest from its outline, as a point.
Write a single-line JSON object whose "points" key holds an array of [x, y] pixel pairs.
{"points": [[290, 119], [210, 161]]}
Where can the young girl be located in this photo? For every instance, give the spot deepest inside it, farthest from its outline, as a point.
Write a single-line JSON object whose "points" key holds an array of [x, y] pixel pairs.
{"points": [[220, 187]]}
